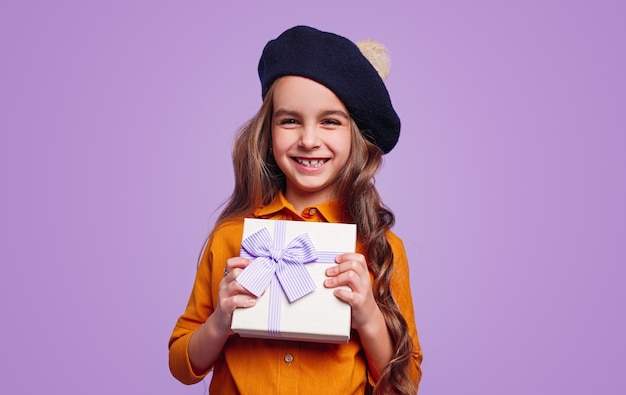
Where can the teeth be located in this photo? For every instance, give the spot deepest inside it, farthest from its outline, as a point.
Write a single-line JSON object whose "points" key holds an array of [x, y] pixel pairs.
{"points": [[311, 163]]}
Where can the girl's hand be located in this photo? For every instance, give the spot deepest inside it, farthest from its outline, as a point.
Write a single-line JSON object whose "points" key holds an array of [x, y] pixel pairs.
{"points": [[367, 319], [231, 294], [352, 271]]}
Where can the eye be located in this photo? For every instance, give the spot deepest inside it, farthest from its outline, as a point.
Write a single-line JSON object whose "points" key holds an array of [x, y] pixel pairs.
{"points": [[287, 121], [331, 121]]}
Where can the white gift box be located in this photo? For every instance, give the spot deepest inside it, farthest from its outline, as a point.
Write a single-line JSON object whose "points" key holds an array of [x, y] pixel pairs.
{"points": [[318, 316]]}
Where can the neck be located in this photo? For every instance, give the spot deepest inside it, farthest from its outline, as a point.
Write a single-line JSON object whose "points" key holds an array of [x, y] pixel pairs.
{"points": [[300, 201]]}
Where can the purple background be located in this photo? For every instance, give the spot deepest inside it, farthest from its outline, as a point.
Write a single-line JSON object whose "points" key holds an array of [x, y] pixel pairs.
{"points": [[117, 119]]}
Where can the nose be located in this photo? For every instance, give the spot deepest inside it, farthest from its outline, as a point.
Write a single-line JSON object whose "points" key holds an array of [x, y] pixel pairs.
{"points": [[309, 137]]}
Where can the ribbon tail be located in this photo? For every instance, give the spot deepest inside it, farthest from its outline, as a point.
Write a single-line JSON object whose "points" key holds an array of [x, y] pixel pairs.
{"points": [[295, 280], [257, 275]]}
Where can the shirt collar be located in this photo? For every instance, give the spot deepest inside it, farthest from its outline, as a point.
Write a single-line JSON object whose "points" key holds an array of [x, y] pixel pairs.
{"points": [[329, 210]]}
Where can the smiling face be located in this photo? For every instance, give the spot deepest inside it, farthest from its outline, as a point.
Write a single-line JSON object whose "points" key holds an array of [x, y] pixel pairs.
{"points": [[311, 139]]}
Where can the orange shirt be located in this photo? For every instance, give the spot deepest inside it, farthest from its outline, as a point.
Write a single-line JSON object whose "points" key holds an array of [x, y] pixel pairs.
{"points": [[262, 366]]}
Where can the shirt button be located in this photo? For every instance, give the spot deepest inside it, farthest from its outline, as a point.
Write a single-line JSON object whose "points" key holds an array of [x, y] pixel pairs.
{"points": [[288, 358], [312, 211]]}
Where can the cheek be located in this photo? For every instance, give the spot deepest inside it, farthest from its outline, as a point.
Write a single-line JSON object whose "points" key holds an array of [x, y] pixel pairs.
{"points": [[282, 141], [342, 145]]}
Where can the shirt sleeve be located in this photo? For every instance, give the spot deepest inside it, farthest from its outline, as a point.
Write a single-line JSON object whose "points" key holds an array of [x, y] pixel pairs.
{"points": [[224, 243]]}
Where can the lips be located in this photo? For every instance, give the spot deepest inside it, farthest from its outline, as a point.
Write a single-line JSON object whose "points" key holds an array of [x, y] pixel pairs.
{"points": [[311, 162]]}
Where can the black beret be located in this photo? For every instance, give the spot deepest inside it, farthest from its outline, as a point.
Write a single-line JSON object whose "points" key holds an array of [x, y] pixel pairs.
{"points": [[337, 63]]}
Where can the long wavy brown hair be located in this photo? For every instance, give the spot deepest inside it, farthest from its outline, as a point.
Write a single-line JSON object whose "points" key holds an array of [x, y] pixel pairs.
{"points": [[258, 180]]}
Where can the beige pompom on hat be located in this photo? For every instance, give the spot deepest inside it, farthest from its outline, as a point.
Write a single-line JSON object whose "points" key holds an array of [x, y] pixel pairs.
{"points": [[377, 55]]}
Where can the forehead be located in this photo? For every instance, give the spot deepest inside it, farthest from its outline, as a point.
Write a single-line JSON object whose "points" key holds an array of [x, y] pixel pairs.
{"points": [[293, 92]]}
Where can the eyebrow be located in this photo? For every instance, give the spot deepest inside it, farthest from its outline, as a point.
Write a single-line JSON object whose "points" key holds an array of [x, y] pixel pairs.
{"points": [[283, 112]]}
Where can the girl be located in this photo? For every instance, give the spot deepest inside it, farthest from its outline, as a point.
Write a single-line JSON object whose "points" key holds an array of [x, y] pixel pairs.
{"points": [[309, 154]]}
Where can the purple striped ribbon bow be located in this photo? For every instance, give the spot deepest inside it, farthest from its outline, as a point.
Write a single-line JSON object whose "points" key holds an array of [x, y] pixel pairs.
{"points": [[272, 261]]}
